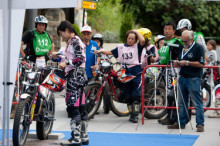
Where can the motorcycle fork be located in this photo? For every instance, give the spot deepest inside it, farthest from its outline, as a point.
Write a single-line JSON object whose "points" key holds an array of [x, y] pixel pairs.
{"points": [[33, 108], [101, 89], [110, 81]]}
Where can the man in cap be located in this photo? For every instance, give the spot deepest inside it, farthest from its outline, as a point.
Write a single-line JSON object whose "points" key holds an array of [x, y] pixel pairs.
{"points": [[91, 46]]}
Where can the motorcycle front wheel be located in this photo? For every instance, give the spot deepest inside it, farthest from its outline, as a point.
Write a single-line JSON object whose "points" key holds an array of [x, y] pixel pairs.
{"points": [[21, 122], [43, 128], [118, 108], [154, 97], [91, 101]]}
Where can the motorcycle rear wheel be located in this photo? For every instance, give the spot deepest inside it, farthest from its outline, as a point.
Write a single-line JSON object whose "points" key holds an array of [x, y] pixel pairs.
{"points": [[21, 122]]}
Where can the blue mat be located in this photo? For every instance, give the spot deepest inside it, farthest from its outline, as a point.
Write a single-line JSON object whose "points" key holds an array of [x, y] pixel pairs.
{"points": [[132, 139]]}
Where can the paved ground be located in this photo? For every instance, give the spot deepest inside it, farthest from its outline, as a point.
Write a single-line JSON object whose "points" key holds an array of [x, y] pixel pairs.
{"points": [[111, 123]]}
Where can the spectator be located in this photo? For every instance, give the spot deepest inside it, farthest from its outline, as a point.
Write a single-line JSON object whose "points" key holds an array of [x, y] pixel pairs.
{"points": [[164, 52], [185, 24], [159, 40], [191, 61], [149, 49], [91, 46], [212, 59]]}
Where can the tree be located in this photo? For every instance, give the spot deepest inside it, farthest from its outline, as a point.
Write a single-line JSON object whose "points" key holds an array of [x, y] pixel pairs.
{"points": [[106, 19], [127, 24], [204, 15]]}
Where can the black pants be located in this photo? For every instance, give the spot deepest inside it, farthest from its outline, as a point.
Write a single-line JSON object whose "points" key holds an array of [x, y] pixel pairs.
{"points": [[75, 97]]}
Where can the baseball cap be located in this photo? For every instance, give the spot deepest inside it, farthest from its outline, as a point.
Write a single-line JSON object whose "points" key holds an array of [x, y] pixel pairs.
{"points": [[86, 28]]}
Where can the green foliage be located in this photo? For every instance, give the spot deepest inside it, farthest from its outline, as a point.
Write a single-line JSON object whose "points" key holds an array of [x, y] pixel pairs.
{"points": [[106, 18], [77, 29], [204, 15], [127, 24], [110, 37]]}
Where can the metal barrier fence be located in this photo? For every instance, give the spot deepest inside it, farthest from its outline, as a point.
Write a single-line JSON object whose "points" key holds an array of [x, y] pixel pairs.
{"points": [[163, 107]]}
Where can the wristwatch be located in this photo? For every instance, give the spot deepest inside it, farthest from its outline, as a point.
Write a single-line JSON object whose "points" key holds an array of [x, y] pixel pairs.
{"points": [[187, 63]]}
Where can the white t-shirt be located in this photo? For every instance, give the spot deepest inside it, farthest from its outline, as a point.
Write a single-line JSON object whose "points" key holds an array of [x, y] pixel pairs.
{"points": [[212, 55]]}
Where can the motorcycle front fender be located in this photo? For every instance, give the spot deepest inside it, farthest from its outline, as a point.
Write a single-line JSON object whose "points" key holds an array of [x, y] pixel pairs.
{"points": [[25, 95]]}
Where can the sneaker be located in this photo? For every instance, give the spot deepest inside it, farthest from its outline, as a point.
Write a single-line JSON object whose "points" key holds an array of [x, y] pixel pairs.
{"points": [[175, 126], [214, 115], [200, 128]]}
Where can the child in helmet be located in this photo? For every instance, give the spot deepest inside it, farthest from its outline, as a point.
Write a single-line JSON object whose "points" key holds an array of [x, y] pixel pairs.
{"points": [[149, 48], [130, 52], [159, 40], [99, 39], [74, 66]]}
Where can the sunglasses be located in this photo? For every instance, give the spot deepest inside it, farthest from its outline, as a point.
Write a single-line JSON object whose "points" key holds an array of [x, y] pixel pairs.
{"points": [[185, 41]]}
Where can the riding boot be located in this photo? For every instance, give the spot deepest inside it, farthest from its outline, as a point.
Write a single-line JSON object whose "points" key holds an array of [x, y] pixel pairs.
{"points": [[75, 140], [135, 110], [131, 113], [84, 133]]}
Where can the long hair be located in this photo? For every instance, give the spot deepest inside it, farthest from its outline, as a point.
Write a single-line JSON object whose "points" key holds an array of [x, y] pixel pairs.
{"points": [[66, 25]]}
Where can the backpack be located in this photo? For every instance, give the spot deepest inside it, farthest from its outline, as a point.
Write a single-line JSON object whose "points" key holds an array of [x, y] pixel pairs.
{"points": [[27, 51]]}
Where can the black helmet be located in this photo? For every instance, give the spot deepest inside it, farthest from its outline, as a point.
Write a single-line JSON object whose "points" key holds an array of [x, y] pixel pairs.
{"points": [[41, 19], [99, 37]]}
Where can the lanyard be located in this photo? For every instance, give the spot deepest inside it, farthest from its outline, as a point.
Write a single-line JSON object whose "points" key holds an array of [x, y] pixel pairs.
{"points": [[183, 54]]}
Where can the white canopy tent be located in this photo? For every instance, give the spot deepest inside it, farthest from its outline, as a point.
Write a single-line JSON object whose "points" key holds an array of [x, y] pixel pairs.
{"points": [[11, 26]]}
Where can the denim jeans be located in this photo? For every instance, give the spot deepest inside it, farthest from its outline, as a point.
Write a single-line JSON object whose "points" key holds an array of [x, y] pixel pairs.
{"points": [[190, 88]]}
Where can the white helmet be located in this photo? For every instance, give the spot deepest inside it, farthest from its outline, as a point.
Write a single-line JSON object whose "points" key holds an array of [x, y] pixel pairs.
{"points": [[184, 23], [41, 19]]}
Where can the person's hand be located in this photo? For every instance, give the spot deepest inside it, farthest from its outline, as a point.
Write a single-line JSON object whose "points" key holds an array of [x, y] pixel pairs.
{"points": [[97, 51], [62, 65], [182, 63], [94, 66], [152, 59], [176, 63], [54, 55]]}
